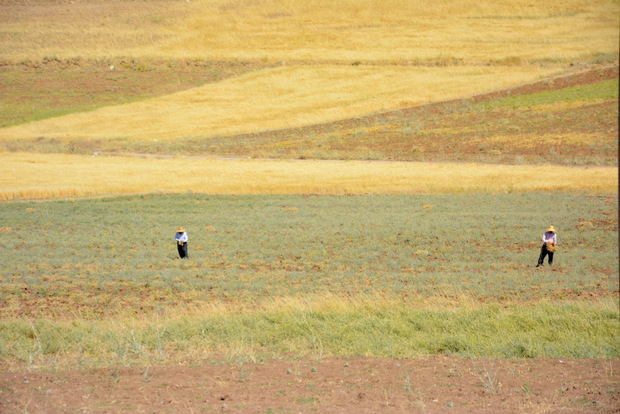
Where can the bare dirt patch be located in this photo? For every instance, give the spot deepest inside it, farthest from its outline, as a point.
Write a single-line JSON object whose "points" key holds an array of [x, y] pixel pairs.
{"points": [[434, 384]]}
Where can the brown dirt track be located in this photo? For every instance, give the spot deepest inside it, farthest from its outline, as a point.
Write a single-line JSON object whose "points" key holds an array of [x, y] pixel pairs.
{"points": [[435, 384]]}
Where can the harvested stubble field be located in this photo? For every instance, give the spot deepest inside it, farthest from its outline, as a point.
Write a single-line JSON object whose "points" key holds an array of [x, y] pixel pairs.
{"points": [[362, 285]]}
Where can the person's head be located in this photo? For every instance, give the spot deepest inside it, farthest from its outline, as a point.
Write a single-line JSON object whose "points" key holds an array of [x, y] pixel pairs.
{"points": [[181, 230], [551, 229]]}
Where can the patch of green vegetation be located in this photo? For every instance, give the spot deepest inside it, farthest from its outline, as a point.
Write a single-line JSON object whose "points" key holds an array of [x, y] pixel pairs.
{"points": [[252, 247], [72, 268], [603, 90], [554, 330]]}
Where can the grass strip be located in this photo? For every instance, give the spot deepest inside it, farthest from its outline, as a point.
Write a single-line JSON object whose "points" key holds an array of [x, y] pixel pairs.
{"points": [[605, 90], [368, 327]]}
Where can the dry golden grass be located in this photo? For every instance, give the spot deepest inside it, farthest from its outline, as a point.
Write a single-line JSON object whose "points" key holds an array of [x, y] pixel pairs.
{"points": [[276, 98], [508, 31], [322, 39], [410, 53], [27, 176], [88, 29]]}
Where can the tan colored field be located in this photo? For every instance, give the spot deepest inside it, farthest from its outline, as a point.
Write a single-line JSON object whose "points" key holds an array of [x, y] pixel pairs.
{"points": [[275, 99], [444, 31], [58, 175], [329, 62], [370, 30], [348, 60]]}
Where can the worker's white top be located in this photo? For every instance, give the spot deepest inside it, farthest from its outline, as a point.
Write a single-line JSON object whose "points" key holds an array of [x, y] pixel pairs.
{"points": [[181, 237], [549, 237]]}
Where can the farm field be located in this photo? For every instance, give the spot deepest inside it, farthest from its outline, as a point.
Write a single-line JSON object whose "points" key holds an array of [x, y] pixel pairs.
{"points": [[364, 183], [61, 175], [96, 284], [425, 104], [569, 119]]}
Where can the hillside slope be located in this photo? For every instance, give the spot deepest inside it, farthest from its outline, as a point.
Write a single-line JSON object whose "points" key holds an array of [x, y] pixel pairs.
{"points": [[572, 119]]}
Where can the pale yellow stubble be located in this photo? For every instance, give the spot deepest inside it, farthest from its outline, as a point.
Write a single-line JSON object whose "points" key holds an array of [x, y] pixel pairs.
{"points": [[277, 98], [390, 30], [43, 176], [319, 30]]}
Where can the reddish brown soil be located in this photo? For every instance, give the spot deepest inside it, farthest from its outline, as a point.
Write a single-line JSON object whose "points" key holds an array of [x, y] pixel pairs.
{"points": [[435, 384]]}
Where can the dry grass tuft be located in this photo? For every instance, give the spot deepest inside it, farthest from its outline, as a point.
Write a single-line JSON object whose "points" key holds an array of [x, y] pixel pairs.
{"points": [[551, 247]]}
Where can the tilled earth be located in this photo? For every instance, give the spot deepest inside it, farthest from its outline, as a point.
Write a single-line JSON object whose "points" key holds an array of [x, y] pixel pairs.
{"points": [[434, 384]]}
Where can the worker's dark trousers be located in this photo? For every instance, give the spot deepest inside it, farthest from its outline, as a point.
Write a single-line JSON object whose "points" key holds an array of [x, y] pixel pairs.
{"points": [[543, 253], [183, 250]]}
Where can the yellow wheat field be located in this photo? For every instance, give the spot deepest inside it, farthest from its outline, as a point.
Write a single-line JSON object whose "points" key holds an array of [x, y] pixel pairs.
{"points": [[277, 98], [510, 31], [42, 176], [410, 52], [380, 30]]}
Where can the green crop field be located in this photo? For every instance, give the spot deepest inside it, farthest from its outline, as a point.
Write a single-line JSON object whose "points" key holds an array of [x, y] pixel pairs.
{"points": [[269, 274]]}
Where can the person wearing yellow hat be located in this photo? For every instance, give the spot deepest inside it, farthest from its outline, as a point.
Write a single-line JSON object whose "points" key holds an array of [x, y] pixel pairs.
{"points": [[181, 238], [549, 240]]}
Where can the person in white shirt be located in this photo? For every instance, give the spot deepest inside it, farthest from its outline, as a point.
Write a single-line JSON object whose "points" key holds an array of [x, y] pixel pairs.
{"points": [[549, 238], [181, 238]]}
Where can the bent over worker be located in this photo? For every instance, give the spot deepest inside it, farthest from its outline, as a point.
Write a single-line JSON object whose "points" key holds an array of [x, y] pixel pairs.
{"points": [[181, 238], [549, 240]]}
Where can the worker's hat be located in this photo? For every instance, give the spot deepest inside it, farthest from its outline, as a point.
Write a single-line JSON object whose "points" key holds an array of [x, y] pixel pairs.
{"points": [[551, 229]]}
